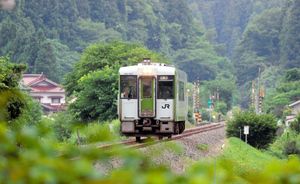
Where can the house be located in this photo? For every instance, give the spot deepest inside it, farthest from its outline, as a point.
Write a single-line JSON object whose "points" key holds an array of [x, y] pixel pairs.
{"points": [[295, 107], [50, 94]]}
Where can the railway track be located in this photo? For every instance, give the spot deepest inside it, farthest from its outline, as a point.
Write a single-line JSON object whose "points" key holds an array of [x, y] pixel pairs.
{"points": [[145, 142]]}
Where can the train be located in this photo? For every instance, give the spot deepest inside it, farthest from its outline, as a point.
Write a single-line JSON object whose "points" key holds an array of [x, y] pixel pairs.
{"points": [[152, 100]]}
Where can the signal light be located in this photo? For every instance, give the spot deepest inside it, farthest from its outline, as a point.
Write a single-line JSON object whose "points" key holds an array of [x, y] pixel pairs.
{"points": [[198, 117]]}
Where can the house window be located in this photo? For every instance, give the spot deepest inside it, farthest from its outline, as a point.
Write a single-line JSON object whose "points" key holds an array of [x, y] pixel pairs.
{"points": [[55, 100], [37, 98]]}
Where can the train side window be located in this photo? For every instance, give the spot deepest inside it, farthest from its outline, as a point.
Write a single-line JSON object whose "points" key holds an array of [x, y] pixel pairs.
{"points": [[128, 86], [165, 87], [181, 91]]}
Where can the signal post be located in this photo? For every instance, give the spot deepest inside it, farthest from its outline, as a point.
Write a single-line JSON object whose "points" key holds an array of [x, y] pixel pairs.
{"points": [[196, 100]]}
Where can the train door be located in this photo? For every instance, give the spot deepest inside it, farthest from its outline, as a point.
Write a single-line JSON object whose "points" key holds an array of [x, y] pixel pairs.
{"points": [[147, 97]]}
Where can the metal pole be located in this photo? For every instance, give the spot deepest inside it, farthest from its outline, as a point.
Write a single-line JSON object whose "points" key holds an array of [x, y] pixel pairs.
{"points": [[210, 116], [258, 91], [215, 173], [246, 139], [240, 132]]}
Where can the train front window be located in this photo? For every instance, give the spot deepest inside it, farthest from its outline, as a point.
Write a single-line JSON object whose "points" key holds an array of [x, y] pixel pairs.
{"points": [[128, 86], [147, 88], [165, 87]]}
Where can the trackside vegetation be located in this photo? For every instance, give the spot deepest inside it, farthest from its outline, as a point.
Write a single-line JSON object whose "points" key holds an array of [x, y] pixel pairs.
{"points": [[262, 128], [288, 143], [28, 158], [245, 158]]}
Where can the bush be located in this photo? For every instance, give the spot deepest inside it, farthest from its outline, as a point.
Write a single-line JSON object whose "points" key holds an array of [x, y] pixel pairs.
{"points": [[262, 129], [291, 148], [62, 125], [204, 114], [191, 116], [295, 125], [221, 107]]}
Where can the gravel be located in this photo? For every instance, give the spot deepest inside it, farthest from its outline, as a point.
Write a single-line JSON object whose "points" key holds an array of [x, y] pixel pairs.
{"points": [[193, 148], [178, 155]]}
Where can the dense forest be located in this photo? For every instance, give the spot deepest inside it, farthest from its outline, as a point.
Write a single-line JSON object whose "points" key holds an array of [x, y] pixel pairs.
{"points": [[222, 43], [230, 46]]}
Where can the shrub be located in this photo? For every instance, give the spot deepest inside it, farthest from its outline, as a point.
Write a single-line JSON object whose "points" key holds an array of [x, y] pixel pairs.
{"points": [[191, 116], [295, 125], [291, 148], [204, 114], [262, 129], [221, 107], [63, 122]]}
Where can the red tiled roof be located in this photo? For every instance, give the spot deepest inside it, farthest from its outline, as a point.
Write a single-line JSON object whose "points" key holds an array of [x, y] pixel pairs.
{"points": [[32, 81], [29, 78]]}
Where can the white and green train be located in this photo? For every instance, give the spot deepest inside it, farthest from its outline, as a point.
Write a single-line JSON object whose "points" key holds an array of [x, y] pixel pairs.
{"points": [[152, 100]]}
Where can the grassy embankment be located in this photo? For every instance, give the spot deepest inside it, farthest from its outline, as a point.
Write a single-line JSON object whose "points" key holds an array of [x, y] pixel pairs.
{"points": [[245, 158]]}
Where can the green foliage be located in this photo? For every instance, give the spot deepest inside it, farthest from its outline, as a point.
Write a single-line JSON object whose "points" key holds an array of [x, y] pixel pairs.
{"points": [[31, 112], [286, 92], [191, 116], [29, 158], [202, 147], [262, 128], [286, 144], [246, 159], [161, 26], [10, 74], [295, 125], [289, 38], [63, 123], [204, 114], [97, 97], [16, 108], [259, 45], [291, 148], [221, 107], [270, 42], [223, 88], [292, 75], [94, 80]]}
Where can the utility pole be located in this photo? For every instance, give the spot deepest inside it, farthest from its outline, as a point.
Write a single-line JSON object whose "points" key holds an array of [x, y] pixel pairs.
{"points": [[196, 99], [257, 94], [253, 94], [261, 98]]}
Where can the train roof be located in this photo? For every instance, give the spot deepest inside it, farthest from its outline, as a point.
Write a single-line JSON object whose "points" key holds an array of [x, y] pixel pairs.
{"points": [[148, 69]]}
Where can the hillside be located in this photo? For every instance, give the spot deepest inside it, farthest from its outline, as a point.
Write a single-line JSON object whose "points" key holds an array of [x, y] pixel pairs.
{"points": [[212, 41], [50, 35]]}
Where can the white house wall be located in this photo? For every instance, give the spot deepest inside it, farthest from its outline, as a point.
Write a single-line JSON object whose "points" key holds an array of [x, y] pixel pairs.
{"points": [[46, 97]]}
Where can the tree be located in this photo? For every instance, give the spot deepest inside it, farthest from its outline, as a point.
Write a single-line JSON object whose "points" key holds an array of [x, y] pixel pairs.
{"points": [[290, 39], [259, 46], [97, 97], [262, 128], [94, 82], [46, 62], [16, 108]]}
